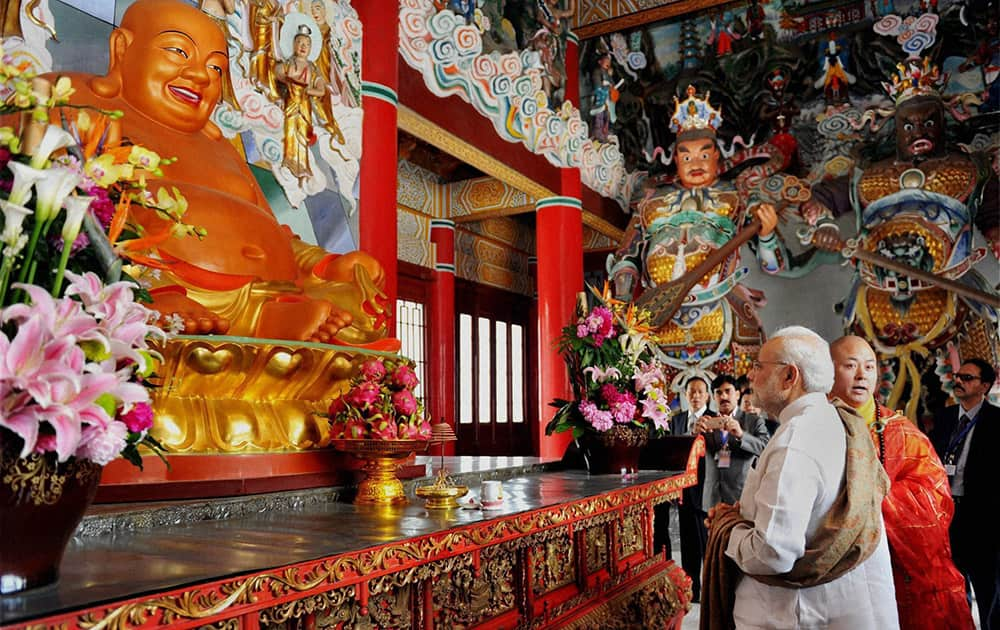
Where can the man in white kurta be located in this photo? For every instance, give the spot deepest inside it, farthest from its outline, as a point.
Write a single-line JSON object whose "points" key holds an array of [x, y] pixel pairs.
{"points": [[786, 496]]}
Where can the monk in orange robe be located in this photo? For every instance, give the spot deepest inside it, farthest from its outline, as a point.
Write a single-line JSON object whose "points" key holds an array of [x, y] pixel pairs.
{"points": [[930, 592]]}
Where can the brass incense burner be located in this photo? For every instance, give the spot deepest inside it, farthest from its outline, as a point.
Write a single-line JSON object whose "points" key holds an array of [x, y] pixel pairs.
{"points": [[443, 493]]}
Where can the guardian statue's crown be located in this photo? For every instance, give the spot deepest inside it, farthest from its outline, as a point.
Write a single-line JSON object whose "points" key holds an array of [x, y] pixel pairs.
{"points": [[915, 78], [694, 114]]}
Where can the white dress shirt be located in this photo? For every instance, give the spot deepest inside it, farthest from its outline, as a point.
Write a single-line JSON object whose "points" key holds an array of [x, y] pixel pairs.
{"points": [[787, 495]]}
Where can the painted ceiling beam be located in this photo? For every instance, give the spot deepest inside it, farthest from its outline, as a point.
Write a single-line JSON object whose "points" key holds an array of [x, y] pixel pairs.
{"points": [[599, 17], [483, 215]]}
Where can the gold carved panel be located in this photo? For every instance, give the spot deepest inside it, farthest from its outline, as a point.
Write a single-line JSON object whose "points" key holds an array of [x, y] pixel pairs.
{"points": [[630, 532], [463, 599], [595, 549], [552, 564]]}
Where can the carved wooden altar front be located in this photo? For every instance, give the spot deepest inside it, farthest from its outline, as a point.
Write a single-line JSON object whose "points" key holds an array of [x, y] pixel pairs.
{"points": [[582, 562]]}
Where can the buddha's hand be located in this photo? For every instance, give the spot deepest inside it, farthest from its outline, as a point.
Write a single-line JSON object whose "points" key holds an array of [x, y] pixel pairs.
{"points": [[174, 306]]}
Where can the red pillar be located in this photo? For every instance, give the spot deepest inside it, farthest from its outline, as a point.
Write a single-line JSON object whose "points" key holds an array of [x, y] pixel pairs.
{"points": [[380, 80], [559, 248], [442, 326], [559, 236]]}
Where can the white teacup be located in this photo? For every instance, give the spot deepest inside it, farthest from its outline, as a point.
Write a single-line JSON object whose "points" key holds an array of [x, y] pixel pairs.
{"points": [[491, 495]]}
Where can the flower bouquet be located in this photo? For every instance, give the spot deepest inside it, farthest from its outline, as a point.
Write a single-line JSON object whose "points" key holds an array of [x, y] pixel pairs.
{"points": [[74, 359], [618, 383]]}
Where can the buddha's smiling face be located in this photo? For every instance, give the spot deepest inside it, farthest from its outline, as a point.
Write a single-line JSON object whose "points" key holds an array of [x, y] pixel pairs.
{"points": [[172, 70]]}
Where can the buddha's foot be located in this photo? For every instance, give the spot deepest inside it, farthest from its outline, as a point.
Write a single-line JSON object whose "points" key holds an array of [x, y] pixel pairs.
{"points": [[303, 319], [172, 302], [338, 320]]}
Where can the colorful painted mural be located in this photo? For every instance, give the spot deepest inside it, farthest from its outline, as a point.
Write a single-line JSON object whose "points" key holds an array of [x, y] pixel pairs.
{"points": [[883, 110]]}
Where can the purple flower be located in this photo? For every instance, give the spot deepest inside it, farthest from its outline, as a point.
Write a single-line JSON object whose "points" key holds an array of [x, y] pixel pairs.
{"points": [[623, 411], [102, 206], [600, 419]]}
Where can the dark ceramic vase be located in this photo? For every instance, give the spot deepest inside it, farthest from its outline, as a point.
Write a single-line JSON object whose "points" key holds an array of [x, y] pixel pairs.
{"points": [[609, 453], [41, 504]]}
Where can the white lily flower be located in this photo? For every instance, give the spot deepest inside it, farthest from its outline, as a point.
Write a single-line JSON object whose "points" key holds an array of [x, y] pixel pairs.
{"points": [[55, 138], [24, 179], [53, 189], [13, 219], [76, 209]]}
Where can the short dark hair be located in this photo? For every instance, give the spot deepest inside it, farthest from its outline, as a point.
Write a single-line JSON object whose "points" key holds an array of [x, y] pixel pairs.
{"points": [[721, 380], [986, 371], [693, 379]]}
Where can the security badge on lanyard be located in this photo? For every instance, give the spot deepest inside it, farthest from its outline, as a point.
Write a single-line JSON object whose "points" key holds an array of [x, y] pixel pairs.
{"points": [[724, 456], [955, 447]]}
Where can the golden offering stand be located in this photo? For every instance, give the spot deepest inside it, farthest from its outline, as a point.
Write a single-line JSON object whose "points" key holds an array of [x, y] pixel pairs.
{"points": [[442, 494], [380, 485]]}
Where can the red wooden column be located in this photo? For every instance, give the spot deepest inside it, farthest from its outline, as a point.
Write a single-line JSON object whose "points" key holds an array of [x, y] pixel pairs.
{"points": [[559, 248], [380, 80], [441, 386], [559, 236]]}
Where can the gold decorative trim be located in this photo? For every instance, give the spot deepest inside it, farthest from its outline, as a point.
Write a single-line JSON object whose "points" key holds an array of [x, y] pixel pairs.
{"points": [[665, 11], [39, 480], [418, 126], [602, 226]]}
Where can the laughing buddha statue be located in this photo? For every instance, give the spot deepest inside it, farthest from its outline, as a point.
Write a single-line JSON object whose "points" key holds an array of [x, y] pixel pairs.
{"points": [[249, 276]]}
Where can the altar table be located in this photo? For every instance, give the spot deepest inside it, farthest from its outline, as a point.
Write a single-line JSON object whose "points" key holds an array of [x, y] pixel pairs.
{"points": [[566, 550]]}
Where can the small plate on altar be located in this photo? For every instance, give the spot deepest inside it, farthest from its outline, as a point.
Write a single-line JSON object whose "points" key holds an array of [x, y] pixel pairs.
{"points": [[471, 503]]}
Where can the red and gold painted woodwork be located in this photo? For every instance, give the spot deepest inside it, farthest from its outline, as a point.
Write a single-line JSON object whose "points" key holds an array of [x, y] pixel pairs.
{"points": [[581, 564]]}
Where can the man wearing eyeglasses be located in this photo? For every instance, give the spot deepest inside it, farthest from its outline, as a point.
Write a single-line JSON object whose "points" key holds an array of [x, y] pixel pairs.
{"points": [[807, 533], [965, 436]]}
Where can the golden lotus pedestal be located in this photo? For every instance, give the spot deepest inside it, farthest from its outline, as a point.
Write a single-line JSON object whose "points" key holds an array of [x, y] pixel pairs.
{"points": [[382, 458], [241, 416]]}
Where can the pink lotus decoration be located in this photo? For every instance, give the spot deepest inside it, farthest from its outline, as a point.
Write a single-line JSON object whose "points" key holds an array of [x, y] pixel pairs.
{"points": [[380, 404]]}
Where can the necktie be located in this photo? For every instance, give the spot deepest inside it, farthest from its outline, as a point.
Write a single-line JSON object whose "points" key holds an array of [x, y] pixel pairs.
{"points": [[957, 438]]}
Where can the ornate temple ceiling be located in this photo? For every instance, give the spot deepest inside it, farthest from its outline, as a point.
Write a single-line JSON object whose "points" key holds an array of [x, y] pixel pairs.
{"points": [[597, 17]]}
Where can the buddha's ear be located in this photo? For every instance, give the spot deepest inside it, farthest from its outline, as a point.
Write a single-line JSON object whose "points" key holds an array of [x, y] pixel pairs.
{"points": [[110, 85]]}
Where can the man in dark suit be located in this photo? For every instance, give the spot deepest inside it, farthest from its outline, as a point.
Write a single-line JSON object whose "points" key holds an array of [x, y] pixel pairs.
{"points": [[965, 437], [691, 518], [731, 449]]}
